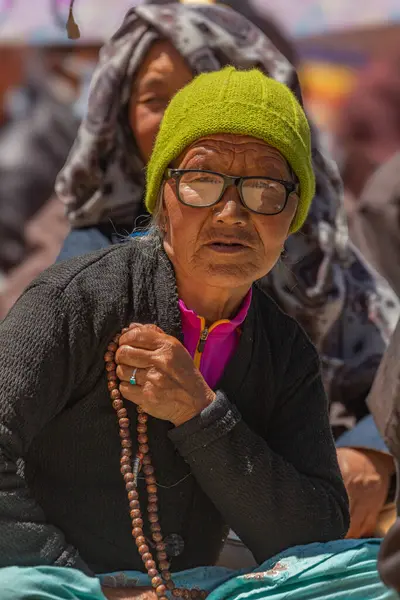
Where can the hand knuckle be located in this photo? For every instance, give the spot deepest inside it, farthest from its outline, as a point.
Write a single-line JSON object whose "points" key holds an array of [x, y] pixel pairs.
{"points": [[135, 335], [174, 343], [147, 394], [167, 354], [123, 388], [158, 377], [154, 375], [122, 354]]}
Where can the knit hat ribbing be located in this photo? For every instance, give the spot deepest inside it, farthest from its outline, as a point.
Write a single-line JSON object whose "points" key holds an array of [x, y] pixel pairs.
{"points": [[238, 102]]}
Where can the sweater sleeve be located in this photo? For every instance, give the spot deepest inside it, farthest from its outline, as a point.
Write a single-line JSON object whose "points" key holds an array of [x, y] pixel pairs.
{"points": [[41, 362], [278, 492]]}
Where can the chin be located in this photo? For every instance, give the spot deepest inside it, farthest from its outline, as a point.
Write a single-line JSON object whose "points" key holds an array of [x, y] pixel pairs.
{"points": [[231, 275]]}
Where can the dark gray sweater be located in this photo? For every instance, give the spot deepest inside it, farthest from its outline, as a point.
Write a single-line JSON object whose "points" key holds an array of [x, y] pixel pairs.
{"points": [[260, 459]]}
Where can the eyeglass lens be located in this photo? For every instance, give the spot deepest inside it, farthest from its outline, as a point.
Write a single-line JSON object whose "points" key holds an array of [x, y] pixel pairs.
{"points": [[205, 189]]}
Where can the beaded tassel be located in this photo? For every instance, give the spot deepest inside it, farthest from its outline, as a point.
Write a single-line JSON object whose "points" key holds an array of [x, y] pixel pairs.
{"points": [[158, 570]]}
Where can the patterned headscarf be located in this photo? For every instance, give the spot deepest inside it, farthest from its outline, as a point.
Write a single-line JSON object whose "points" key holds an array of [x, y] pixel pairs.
{"points": [[103, 179]]}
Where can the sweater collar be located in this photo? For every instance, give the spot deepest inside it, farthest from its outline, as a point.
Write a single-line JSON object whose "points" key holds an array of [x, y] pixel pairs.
{"points": [[222, 327]]}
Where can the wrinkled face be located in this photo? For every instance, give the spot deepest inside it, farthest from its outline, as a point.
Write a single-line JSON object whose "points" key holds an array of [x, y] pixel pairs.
{"points": [[226, 245], [161, 75]]}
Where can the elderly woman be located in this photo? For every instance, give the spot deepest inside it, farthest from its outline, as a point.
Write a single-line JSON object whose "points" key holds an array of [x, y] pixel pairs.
{"points": [[321, 281], [220, 413]]}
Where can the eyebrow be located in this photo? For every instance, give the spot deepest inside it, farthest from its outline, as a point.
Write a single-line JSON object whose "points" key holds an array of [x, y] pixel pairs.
{"points": [[151, 82], [280, 171], [274, 169]]}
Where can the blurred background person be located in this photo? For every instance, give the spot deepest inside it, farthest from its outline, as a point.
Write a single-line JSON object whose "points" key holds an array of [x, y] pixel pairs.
{"points": [[369, 140], [375, 222], [368, 125], [46, 105], [36, 135], [12, 75]]}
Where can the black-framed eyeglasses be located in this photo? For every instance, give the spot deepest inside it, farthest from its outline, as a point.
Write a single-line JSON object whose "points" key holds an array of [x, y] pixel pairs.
{"points": [[202, 189]]}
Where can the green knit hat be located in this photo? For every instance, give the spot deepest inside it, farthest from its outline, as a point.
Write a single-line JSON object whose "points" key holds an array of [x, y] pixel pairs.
{"points": [[238, 102]]}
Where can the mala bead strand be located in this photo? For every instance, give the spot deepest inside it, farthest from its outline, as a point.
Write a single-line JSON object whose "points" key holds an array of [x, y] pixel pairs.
{"points": [[158, 571]]}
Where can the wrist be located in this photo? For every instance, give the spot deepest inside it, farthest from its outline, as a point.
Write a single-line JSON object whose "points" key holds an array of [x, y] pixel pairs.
{"points": [[200, 406]]}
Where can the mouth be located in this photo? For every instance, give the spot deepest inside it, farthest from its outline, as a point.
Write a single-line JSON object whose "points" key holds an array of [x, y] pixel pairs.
{"points": [[227, 246]]}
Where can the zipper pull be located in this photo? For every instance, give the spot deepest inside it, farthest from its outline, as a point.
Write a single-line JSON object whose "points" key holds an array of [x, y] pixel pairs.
{"points": [[202, 341]]}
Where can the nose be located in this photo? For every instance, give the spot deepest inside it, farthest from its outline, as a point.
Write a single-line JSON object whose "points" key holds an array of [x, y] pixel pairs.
{"points": [[230, 210]]}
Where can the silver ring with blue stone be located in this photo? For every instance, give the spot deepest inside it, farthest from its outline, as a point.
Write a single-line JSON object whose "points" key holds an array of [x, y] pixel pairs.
{"points": [[132, 380]]}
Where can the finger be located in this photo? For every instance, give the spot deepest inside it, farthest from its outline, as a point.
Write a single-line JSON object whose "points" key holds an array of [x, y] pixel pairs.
{"points": [[356, 518], [134, 357], [130, 326], [369, 527], [150, 325], [124, 373], [362, 521], [133, 393], [372, 510], [367, 520], [149, 337]]}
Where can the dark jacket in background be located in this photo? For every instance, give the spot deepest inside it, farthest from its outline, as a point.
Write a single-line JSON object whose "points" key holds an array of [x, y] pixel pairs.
{"points": [[260, 459]]}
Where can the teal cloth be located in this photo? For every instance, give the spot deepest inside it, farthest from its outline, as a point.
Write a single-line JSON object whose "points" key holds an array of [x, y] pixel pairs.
{"points": [[341, 570], [48, 583]]}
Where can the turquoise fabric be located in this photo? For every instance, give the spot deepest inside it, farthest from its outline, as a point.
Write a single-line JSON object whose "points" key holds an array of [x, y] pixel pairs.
{"points": [[47, 583], [342, 570]]}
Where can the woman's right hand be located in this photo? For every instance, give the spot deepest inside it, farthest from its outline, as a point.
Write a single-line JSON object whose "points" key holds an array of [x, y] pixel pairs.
{"points": [[120, 593]]}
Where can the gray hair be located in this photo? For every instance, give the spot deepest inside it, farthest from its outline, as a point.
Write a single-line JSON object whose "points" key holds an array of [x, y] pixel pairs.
{"points": [[155, 224]]}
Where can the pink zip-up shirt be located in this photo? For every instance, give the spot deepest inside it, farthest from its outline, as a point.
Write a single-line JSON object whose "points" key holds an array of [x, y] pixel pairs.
{"points": [[212, 348]]}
